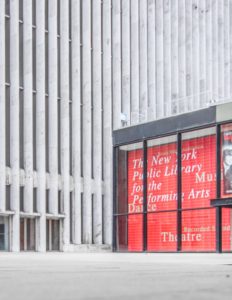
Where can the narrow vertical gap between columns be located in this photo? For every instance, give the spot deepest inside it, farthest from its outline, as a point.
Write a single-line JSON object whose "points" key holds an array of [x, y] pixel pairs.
{"points": [[218, 209], [114, 242], [144, 195], [179, 192]]}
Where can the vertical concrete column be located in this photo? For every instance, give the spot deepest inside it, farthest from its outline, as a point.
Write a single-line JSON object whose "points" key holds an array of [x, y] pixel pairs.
{"points": [[28, 123], [65, 118], [116, 15], [53, 138], [2, 108], [126, 57], [134, 59], [226, 49], [202, 57], [230, 45], [14, 107], [221, 47], [97, 98], [86, 81], [40, 131], [195, 57], [174, 55], [214, 46], [167, 58], [188, 50], [181, 55], [76, 92], [208, 44], [107, 122], [159, 58], [151, 58], [143, 57]]}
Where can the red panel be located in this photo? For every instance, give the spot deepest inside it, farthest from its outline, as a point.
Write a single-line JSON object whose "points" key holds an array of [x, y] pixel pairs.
{"points": [[135, 233], [198, 230], [226, 229], [198, 172], [162, 231]]}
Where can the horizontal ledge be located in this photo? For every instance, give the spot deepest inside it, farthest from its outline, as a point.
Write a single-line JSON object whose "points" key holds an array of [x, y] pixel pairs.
{"points": [[29, 215], [55, 216], [7, 213]]}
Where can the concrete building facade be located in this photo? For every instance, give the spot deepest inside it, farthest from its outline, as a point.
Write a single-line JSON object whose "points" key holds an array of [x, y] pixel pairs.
{"points": [[73, 71]]}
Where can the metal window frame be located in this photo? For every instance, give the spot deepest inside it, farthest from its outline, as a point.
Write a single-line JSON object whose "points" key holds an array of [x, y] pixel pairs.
{"points": [[175, 125]]}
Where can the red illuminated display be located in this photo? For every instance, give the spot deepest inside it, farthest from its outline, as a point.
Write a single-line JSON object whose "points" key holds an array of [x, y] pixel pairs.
{"points": [[198, 187]]}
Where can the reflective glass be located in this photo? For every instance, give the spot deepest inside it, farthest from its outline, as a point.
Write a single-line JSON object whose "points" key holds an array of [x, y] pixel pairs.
{"points": [[55, 235], [198, 168], [4, 233], [198, 230], [30, 234], [22, 234]]}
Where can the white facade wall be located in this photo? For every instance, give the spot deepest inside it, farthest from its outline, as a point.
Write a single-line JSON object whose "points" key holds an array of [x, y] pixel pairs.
{"points": [[126, 56]]}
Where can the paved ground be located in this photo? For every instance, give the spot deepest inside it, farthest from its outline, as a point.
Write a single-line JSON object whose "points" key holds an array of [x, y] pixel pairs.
{"points": [[115, 276]]}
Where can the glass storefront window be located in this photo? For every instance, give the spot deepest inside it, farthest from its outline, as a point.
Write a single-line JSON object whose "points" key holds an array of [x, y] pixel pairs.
{"points": [[226, 229], [4, 233], [130, 179], [130, 233], [55, 235], [198, 230], [198, 168], [226, 160], [162, 174], [162, 231], [30, 234], [22, 223]]}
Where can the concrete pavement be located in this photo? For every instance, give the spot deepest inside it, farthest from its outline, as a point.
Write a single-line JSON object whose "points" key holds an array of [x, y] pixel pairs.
{"points": [[115, 276]]}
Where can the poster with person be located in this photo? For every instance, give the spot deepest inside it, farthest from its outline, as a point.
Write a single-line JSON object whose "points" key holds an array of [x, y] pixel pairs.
{"points": [[227, 161]]}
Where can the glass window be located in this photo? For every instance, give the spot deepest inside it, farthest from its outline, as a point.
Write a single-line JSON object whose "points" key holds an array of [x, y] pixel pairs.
{"points": [[4, 233], [130, 179], [47, 235], [22, 240], [30, 234], [7, 197], [55, 235], [34, 131], [21, 129], [198, 168], [34, 200], [130, 233], [226, 160], [161, 174], [226, 229], [162, 231], [21, 191], [47, 201], [198, 230], [7, 126], [7, 50]]}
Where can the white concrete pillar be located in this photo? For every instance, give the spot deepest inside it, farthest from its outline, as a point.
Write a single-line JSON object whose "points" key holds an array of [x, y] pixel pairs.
{"points": [[195, 56], [126, 49], [215, 46], [97, 99], [188, 51], [116, 64], [230, 45], [151, 59], [159, 58], [40, 130], [134, 59], [76, 92], [208, 44], [53, 126], [2, 108], [143, 58], [226, 49], [167, 58], [107, 96], [221, 48], [181, 55], [174, 55], [14, 107], [28, 121], [202, 57], [65, 119], [86, 76]]}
